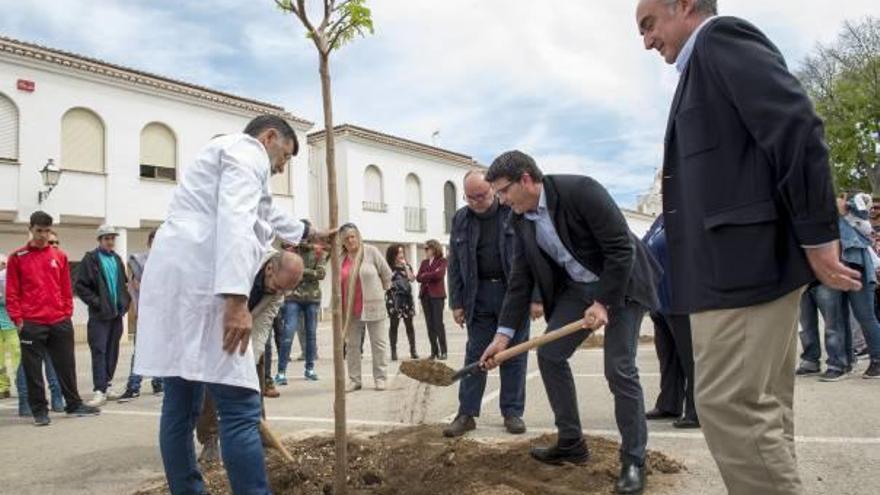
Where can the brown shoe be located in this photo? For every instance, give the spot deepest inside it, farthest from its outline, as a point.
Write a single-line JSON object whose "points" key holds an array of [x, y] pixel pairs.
{"points": [[270, 391], [461, 425]]}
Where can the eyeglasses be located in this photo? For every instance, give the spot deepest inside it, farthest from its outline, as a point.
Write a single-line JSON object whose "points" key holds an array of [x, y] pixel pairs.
{"points": [[54, 243]]}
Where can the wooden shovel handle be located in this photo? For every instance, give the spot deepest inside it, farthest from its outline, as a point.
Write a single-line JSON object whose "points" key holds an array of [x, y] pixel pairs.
{"points": [[530, 344], [274, 442]]}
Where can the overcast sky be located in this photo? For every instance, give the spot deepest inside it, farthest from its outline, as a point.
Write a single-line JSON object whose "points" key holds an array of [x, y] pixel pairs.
{"points": [[567, 81]]}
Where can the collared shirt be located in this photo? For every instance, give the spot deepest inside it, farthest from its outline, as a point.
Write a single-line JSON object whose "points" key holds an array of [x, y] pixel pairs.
{"points": [[549, 242], [684, 56]]}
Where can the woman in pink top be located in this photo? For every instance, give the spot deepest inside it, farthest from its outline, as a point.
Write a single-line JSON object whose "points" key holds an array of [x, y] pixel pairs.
{"points": [[368, 306]]}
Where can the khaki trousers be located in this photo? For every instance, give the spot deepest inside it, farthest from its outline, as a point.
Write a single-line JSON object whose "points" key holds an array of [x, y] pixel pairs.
{"points": [[745, 360], [378, 344]]}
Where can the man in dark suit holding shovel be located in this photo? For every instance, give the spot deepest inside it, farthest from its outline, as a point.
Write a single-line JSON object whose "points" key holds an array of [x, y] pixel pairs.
{"points": [[576, 246]]}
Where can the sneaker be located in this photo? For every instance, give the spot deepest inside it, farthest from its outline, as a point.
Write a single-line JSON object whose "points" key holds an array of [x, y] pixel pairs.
{"points": [[157, 388], [807, 368], [128, 396], [873, 371], [58, 405], [353, 387], [113, 395], [832, 375], [281, 379], [459, 426], [84, 410], [98, 400], [311, 375], [380, 384], [42, 420]]}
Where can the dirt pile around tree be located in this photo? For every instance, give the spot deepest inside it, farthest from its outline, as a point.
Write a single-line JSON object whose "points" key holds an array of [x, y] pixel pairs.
{"points": [[417, 460]]}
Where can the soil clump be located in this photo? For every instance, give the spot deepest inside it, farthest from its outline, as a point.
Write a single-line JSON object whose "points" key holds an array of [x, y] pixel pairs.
{"points": [[428, 371]]}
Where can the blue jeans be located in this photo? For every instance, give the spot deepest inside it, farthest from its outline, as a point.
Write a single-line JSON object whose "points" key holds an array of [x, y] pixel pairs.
{"points": [[291, 313], [481, 330], [242, 450], [830, 303], [54, 386], [134, 380], [862, 305]]}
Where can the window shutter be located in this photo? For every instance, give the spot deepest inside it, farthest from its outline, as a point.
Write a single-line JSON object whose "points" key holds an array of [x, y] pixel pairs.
{"points": [[82, 141], [8, 130]]}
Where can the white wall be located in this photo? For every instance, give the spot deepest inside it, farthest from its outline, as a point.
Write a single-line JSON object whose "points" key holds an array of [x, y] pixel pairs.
{"points": [[119, 195]]}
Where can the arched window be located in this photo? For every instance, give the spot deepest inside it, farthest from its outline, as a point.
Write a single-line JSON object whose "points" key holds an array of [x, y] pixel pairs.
{"points": [[415, 218], [82, 141], [449, 205], [8, 130], [374, 194], [158, 152]]}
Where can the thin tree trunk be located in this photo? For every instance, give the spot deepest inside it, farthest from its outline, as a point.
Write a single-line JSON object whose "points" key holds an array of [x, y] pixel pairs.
{"points": [[341, 468]]}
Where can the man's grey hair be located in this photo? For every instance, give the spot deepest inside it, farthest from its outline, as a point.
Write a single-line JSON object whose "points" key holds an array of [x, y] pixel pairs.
{"points": [[706, 7]]}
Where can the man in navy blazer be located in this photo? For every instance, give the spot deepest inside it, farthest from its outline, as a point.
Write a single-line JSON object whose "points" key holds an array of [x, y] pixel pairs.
{"points": [[750, 219]]}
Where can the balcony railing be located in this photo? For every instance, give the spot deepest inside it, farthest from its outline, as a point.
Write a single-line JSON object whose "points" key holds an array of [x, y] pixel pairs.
{"points": [[375, 206], [414, 219]]}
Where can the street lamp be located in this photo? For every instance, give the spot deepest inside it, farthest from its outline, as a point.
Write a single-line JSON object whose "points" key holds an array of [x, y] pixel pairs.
{"points": [[51, 174]]}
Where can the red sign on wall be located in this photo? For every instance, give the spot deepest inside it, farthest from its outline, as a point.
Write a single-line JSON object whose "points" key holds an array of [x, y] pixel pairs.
{"points": [[25, 85]]}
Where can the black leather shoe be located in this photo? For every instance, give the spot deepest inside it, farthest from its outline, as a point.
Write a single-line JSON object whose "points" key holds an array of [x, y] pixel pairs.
{"points": [[514, 425], [459, 426], [557, 456], [632, 479], [686, 423], [660, 414]]}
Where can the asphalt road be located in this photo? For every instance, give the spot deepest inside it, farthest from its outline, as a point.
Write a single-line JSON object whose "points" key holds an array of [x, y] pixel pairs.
{"points": [[838, 426]]}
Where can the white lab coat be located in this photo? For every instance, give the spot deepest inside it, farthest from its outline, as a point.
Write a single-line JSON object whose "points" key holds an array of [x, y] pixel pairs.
{"points": [[221, 221]]}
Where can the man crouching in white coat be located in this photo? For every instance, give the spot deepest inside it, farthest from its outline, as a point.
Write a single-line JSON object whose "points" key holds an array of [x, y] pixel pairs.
{"points": [[194, 326]]}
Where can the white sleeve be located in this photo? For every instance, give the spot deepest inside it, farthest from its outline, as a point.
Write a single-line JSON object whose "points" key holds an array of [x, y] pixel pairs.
{"points": [[237, 246], [286, 227]]}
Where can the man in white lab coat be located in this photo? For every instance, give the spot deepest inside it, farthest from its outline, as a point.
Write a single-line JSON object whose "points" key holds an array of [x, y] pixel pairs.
{"points": [[194, 325]]}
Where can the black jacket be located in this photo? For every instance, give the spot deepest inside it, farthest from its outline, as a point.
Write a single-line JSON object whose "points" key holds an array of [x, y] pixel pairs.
{"points": [[594, 231], [92, 288], [461, 273], [746, 180]]}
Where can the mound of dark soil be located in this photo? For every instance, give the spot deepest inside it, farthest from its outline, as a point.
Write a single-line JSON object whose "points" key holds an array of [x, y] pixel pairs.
{"points": [[418, 460]]}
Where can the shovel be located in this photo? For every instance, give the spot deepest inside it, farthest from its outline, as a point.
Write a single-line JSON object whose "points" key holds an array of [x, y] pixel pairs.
{"points": [[436, 373]]}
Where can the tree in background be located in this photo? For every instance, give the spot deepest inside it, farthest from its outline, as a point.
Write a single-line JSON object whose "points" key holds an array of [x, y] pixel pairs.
{"points": [[843, 78], [340, 22]]}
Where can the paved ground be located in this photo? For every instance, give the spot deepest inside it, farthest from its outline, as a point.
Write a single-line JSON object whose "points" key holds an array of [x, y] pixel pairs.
{"points": [[838, 427]]}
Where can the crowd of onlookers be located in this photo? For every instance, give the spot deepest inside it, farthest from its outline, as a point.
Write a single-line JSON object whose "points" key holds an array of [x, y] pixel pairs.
{"points": [[109, 287]]}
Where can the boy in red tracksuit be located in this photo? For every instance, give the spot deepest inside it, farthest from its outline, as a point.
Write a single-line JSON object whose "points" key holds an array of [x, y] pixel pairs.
{"points": [[40, 303]]}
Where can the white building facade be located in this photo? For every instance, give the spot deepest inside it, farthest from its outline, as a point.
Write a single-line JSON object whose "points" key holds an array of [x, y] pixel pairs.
{"points": [[120, 137], [394, 189]]}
